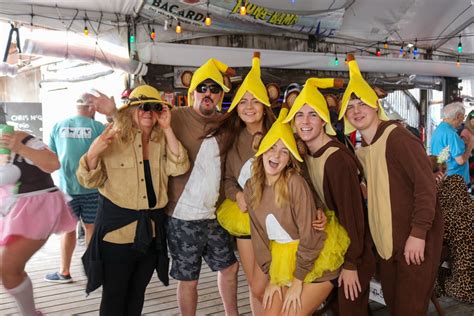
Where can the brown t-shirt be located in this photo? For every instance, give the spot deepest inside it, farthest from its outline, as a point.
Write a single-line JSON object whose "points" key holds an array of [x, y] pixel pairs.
{"points": [[335, 176], [284, 224], [401, 189], [238, 164], [195, 194]]}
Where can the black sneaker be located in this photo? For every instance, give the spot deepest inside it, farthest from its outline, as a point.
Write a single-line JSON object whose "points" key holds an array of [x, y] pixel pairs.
{"points": [[57, 277]]}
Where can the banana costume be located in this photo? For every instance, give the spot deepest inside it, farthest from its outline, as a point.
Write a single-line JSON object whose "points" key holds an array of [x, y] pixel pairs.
{"points": [[363, 91], [229, 215], [311, 96], [253, 84], [213, 70], [143, 94], [283, 131]]}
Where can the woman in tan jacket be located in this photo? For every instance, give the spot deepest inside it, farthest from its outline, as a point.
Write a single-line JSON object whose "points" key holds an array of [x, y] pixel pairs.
{"points": [[130, 164]]}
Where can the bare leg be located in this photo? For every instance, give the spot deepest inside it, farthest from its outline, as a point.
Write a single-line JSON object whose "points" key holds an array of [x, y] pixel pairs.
{"points": [[312, 297], [227, 283], [187, 297], [68, 244], [256, 287], [13, 259], [89, 230]]}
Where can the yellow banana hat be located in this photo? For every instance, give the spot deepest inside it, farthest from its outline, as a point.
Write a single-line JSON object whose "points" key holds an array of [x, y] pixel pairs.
{"points": [[213, 70], [280, 130], [311, 96], [362, 90], [253, 84]]}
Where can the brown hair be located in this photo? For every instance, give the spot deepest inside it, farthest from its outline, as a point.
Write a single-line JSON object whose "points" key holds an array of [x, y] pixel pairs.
{"points": [[229, 126]]}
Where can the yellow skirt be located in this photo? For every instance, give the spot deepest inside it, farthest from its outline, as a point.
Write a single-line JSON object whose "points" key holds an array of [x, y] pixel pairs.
{"points": [[232, 219], [330, 258]]}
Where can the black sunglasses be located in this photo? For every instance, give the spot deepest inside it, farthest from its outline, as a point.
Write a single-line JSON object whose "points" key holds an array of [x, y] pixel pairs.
{"points": [[214, 88], [157, 107]]}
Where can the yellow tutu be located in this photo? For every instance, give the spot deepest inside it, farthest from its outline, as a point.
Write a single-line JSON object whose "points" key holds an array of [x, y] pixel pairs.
{"points": [[232, 219], [330, 258]]}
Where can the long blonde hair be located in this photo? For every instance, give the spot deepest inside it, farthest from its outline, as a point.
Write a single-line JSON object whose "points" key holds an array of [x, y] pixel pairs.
{"points": [[125, 122], [280, 187]]}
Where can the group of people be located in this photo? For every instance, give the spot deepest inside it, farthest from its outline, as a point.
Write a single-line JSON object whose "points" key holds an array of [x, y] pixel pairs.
{"points": [[308, 214]]}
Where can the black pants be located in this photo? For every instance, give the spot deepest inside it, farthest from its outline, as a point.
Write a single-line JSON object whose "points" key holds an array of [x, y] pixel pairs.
{"points": [[127, 273]]}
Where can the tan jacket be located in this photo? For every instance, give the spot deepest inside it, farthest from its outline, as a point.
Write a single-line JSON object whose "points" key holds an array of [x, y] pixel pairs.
{"points": [[120, 175]]}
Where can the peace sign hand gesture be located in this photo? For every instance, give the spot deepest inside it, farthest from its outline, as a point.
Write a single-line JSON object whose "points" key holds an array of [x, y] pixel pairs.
{"points": [[100, 144]]}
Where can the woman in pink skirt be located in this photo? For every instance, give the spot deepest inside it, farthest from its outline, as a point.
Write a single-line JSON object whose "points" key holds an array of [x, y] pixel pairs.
{"points": [[31, 208]]}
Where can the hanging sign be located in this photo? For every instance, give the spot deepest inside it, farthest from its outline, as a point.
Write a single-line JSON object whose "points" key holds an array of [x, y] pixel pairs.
{"points": [[258, 20]]}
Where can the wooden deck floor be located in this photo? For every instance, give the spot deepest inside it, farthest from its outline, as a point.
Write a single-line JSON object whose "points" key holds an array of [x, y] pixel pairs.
{"points": [[70, 299]]}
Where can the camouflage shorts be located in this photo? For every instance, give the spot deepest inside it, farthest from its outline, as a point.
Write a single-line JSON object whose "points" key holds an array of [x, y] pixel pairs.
{"points": [[190, 241]]}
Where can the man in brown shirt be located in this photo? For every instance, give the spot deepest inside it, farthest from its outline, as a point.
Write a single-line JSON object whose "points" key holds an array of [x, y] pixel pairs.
{"points": [[193, 230], [404, 218]]}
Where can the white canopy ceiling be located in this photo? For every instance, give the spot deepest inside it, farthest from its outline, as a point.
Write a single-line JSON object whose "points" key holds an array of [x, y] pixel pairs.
{"points": [[356, 25]]}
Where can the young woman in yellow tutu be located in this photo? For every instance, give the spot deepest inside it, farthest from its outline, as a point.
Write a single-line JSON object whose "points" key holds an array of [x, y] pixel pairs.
{"points": [[301, 263]]}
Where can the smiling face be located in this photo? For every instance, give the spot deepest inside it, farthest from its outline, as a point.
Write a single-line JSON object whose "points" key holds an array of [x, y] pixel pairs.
{"points": [[361, 115], [309, 125], [250, 110], [275, 160], [145, 119]]}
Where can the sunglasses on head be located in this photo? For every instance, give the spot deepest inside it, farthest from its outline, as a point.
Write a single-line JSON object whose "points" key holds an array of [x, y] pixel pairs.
{"points": [[214, 88], [157, 107]]}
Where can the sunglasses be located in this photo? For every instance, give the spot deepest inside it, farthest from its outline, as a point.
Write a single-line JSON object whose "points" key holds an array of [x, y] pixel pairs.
{"points": [[214, 88], [157, 107]]}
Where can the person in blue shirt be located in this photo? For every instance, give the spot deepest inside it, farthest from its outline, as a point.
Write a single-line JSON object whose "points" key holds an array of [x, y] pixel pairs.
{"points": [[70, 139], [446, 141]]}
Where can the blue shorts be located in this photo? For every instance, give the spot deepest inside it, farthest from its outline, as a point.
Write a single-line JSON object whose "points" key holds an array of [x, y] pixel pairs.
{"points": [[190, 241], [84, 206]]}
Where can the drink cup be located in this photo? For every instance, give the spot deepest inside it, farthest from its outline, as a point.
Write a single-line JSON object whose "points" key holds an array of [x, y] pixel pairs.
{"points": [[5, 129]]}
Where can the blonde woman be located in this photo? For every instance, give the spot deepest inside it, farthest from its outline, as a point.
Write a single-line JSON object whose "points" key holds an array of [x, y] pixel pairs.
{"points": [[130, 163], [302, 263]]}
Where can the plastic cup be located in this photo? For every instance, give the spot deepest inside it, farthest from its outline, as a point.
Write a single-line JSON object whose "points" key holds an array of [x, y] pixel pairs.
{"points": [[5, 129]]}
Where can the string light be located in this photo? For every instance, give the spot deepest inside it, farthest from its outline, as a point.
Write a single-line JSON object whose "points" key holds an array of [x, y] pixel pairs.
{"points": [[208, 20], [132, 38], [165, 26], [459, 45], [401, 49], [243, 8], [336, 60], [377, 52], [178, 28], [153, 34], [86, 30], [458, 62], [415, 49], [385, 44]]}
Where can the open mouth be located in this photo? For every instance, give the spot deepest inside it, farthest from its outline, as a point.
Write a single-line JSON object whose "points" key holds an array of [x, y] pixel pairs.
{"points": [[273, 164]]}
